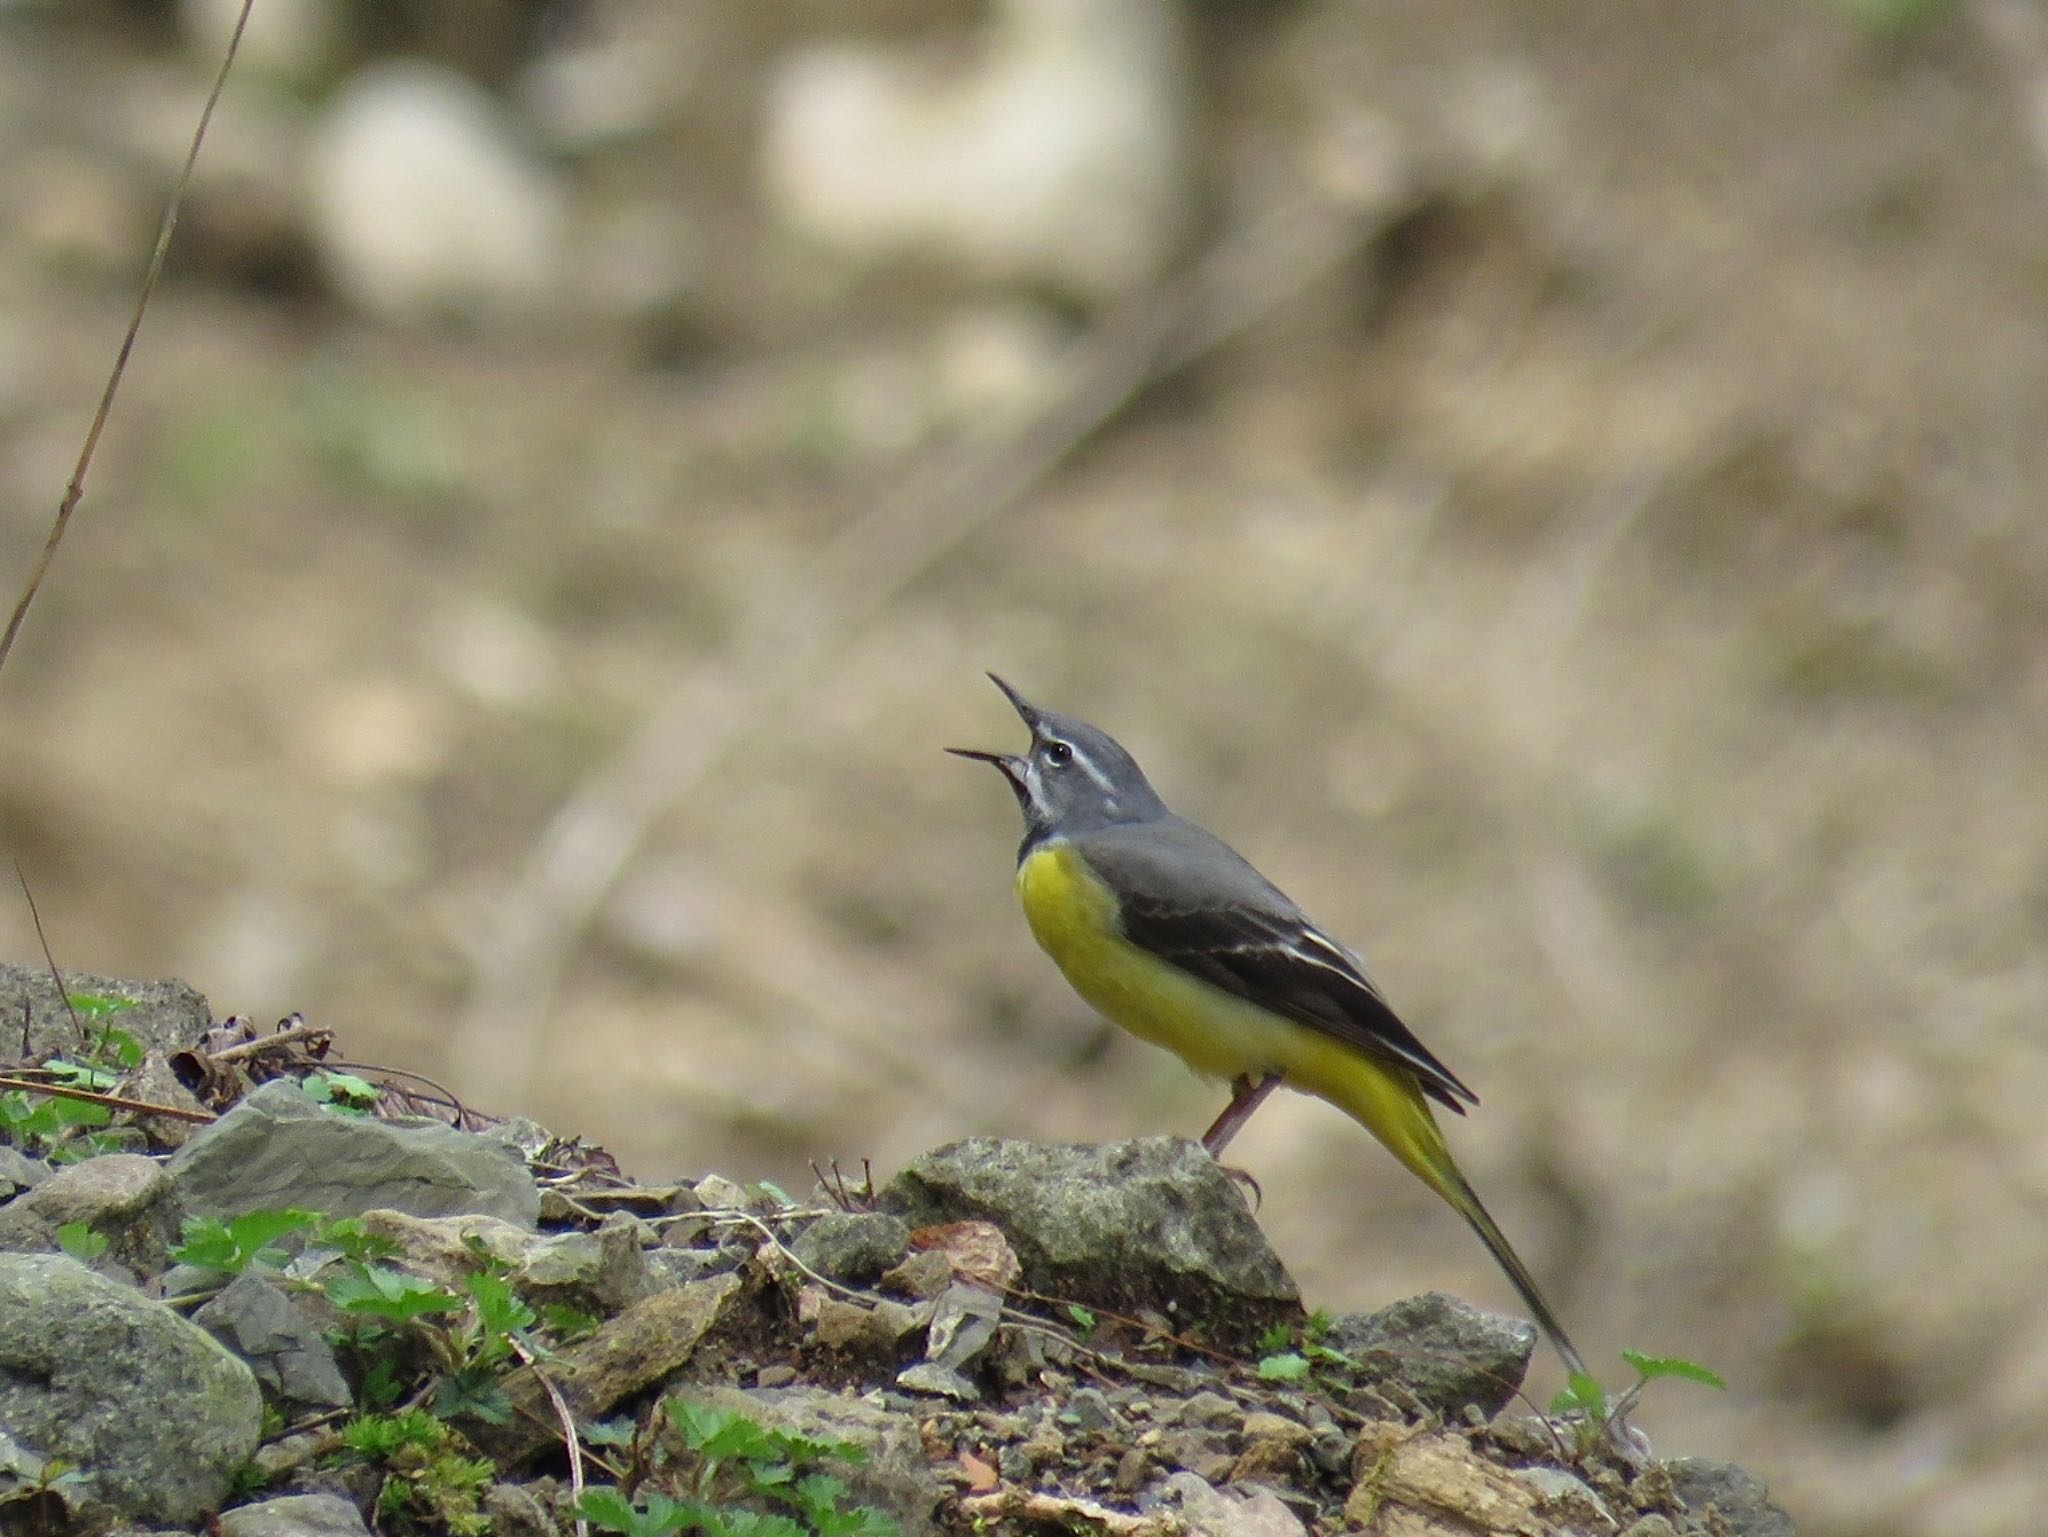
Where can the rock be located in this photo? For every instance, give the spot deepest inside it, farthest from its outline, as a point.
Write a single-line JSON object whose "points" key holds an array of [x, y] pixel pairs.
{"points": [[424, 201], [1088, 1409], [155, 1414], [286, 1350], [19, 1172], [165, 1014], [603, 1272], [1057, 155], [445, 1249], [512, 1511], [851, 1247], [896, 1478], [1128, 1226], [293, 1515], [1568, 1501], [1210, 1512], [626, 1356], [1274, 1447], [278, 1149], [1440, 1350], [1735, 1494], [125, 1197]]}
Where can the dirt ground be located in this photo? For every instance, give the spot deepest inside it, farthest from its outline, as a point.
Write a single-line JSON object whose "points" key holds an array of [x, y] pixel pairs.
{"points": [[1615, 596]]}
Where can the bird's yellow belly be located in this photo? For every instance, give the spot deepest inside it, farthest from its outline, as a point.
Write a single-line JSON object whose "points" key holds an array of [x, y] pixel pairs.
{"points": [[1074, 918]]}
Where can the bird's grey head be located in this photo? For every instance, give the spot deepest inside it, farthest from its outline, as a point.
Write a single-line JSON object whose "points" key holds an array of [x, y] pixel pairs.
{"points": [[1073, 777]]}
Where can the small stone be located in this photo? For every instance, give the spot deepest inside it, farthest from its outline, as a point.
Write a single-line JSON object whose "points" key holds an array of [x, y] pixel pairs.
{"points": [[853, 1248], [1440, 1350], [721, 1194], [293, 1515], [776, 1376], [286, 1350], [20, 1172], [1568, 1498], [1738, 1495], [1015, 1463], [1235, 1513], [1207, 1408], [924, 1274], [1088, 1409], [124, 1197], [1131, 1469], [1651, 1526]]}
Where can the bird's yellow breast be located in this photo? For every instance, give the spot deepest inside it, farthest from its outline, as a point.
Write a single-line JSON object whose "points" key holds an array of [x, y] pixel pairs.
{"points": [[1073, 915]]}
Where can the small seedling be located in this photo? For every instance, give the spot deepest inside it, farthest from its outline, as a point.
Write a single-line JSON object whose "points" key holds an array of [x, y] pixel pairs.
{"points": [[1585, 1401], [344, 1092], [240, 1242], [82, 1241]]}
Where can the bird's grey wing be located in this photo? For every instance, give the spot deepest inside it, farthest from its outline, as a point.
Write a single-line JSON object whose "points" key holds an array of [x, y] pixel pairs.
{"points": [[1189, 898]]}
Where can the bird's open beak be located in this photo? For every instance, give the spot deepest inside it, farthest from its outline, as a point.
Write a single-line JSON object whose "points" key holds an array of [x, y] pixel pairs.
{"points": [[1017, 701], [1013, 767]]}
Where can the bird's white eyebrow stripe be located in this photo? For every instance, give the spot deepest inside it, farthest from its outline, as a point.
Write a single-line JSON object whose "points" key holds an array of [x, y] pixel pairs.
{"points": [[1102, 780]]}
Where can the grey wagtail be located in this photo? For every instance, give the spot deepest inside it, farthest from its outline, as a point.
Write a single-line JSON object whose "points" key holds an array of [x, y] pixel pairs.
{"points": [[1173, 935]]}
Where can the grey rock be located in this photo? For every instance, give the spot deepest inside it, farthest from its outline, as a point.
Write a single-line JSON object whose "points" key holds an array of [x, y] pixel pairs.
{"points": [[149, 1407], [123, 1196], [1250, 1512], [286, 1350], [1152, 1224], [294, 1515], [935, 1380], [896, 1478], [1207, 1408], [603, 1272], [1440, 1350], [853, 1247], [277, 1149], [1736, 1494], [1089, 1409], [20, 1172], [1651, 1526], [1569, 1499], [512, 1511], [167, 1014]]}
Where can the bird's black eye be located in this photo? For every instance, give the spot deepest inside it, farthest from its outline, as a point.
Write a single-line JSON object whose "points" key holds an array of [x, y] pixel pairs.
{"points": [[1058, 754]]}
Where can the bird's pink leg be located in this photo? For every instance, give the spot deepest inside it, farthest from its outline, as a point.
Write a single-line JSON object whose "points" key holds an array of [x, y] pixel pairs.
{"points": [[1246, 1095]]}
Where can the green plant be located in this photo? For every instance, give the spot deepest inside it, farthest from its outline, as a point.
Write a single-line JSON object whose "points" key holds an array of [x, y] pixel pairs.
{"points": [[1584, 1400], [341, 1091], [744, 1479], [1288, 1355], [240, 1242], [82, 1241], [430, 1483]]}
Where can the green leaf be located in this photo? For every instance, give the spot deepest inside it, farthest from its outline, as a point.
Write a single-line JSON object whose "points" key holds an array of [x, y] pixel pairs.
{"points": [[498, 1307], [622, 1430], [1285, 1367], [352, 1239], [474, 1391], [377, 1436], [378, 1291], [122, 1047], [341, 1091], [233, 1246], [721, 1434], [1275, 1340], [82, 1241], [1084, 1320], [94, 1007], [566, 1323], [1582, 1394], [1652, 1367], [82, 1075]]}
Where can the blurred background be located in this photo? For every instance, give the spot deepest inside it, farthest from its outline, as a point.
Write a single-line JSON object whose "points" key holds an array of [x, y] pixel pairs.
{"points": [[1557, 485]]}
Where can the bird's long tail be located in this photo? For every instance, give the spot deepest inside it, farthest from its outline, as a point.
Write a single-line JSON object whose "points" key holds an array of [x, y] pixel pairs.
{"points": [[1387, 1101]]}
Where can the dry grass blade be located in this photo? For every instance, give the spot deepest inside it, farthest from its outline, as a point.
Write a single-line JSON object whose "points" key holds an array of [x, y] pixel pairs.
{"points": [[75, 491]]}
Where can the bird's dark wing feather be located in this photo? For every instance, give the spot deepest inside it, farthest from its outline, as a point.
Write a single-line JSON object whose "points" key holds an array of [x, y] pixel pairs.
{"points": [[1189, 898]]}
